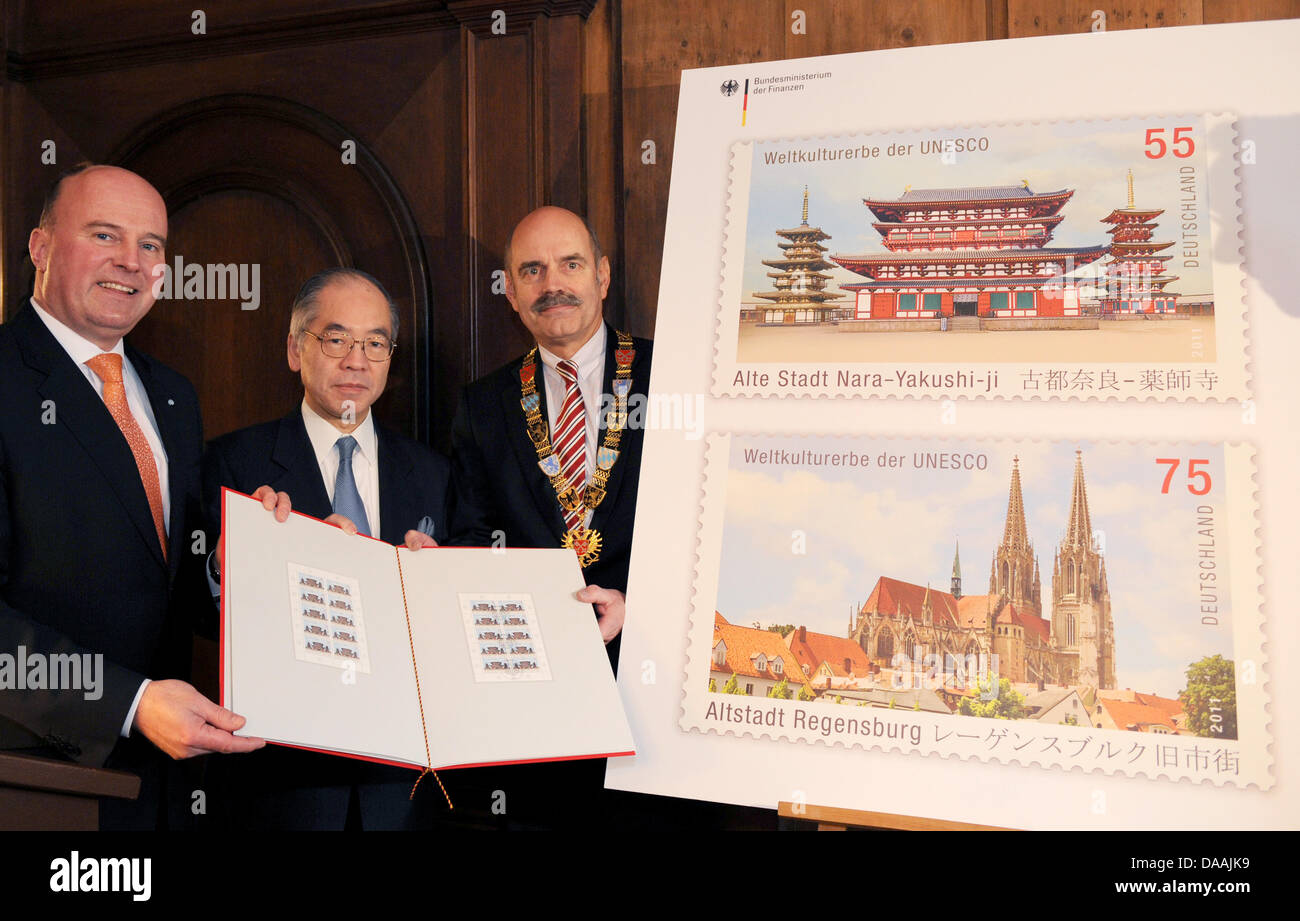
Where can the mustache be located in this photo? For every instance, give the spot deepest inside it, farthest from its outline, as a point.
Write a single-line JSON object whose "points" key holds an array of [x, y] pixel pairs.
{"points": [[555, 299]]}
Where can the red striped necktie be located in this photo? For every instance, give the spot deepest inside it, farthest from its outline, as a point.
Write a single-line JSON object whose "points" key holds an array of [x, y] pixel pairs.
{"points": [[570, 440]]}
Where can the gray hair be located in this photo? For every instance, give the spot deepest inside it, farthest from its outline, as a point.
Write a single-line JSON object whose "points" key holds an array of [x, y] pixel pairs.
{"points": [[305, 307]]}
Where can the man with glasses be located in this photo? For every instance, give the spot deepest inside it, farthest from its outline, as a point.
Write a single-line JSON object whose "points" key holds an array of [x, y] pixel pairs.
{"points": [[333, 458]]}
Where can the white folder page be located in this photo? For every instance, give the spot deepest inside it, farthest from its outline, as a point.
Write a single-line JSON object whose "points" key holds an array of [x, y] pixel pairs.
{"points": [[552, 694], [289, 694]]}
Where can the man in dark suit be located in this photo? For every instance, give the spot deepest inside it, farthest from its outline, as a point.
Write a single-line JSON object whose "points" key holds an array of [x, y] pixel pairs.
{"points": [[99, 502], [547, 451], [333, 458]]}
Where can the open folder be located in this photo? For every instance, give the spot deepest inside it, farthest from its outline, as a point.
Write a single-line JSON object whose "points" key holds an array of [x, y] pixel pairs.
{"points": [[442, 657]]}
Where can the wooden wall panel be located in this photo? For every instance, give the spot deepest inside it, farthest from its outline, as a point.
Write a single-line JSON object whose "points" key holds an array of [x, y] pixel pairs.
{"points": [[1250, 10], [1025, 17], [602, 202], [504, 182], [834, 27]]}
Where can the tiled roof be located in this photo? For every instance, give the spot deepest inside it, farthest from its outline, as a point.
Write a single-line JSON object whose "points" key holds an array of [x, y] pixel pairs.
{"points": [[945, 256], [904, 699], [1035, 627], [967, 193], [893, 596], [972, 611], [1142, 710], [1047, 699], [812, 649], [743, 644]]}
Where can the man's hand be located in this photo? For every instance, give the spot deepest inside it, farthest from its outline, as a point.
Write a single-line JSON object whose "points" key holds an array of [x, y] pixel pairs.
{"points": [[417, 539], [611, 609], [271, 500], [184, 723], [342, 522]]}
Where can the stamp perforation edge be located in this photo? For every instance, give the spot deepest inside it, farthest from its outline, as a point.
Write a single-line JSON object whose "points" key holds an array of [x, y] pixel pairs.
{"points": [[727, 326], [708, 550]]}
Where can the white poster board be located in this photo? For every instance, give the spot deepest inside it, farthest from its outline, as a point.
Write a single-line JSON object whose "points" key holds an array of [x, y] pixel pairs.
{"points": [[1214, 388]]}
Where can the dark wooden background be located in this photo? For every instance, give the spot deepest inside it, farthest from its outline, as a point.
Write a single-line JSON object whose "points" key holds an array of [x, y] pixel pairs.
{"points": [[459, 131]]}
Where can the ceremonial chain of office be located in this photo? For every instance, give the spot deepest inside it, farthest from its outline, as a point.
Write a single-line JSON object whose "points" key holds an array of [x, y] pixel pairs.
{"points": [[585, 542]]}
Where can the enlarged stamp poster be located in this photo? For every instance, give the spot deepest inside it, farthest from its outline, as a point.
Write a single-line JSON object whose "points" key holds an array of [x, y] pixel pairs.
{"points": [[1076, 604], [983, 509], [1071, 259]]}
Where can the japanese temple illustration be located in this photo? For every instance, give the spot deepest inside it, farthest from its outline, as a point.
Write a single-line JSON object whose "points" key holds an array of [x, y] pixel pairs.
{"points": [[969, 251], [1135, 278], [801, 277]]}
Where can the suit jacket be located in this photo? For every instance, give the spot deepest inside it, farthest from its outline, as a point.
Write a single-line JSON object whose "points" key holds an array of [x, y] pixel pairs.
{"points": [[499, 486], [279, 788], [413, 479], [81, 571]]}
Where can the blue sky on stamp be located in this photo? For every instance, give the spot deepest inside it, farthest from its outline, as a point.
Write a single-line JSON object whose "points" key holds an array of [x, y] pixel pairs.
{"points": [[1091, 157], [903, 522]]}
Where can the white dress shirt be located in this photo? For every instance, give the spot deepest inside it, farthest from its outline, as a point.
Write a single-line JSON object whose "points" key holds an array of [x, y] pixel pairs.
{"points": [[81, 350], [365, 459], [590, 360]]}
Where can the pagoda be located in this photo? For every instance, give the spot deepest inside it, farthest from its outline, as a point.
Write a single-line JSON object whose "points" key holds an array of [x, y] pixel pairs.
{"points": [[970, 251], [1135, 278], [800, 280]]}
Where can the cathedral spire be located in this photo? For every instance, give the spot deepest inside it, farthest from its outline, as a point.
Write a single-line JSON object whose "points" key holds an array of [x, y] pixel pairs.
{"points": [[1014, 535], [956, 571], [1078, 533]]}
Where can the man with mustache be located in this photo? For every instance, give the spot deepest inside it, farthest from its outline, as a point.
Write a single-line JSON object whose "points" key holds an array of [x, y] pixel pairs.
{"points": [[543, 455]]}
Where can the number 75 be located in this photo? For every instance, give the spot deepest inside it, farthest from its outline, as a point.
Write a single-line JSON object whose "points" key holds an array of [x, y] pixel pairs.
{"points": [[1193, 475]]}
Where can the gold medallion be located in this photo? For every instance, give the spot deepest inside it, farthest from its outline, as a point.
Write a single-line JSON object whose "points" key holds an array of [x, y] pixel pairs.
{"points": [[585, 542]]}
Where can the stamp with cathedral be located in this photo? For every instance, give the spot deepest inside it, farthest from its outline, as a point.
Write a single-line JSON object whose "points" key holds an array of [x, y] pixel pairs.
{"points": [[1060, 260], [1085, 604]]}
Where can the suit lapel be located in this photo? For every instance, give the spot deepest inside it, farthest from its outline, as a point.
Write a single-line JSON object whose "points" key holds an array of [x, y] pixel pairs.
{"points": [[300, 473], [83, 414], [395, 493], [539, 486], [615, 482]]}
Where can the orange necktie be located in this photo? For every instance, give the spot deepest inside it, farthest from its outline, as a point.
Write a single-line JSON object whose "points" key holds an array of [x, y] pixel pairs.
{"points": [[109, 369]]}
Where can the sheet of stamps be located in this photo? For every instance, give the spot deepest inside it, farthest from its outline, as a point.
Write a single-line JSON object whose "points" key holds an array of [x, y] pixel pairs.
{"points": [[1056, 260], [1084, 604], [327, 619], [504, 637]]}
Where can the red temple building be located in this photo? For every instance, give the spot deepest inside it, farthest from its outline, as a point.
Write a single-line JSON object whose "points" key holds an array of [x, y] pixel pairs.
{"points": [[1135, 278], [968, 252], [801, 277]]}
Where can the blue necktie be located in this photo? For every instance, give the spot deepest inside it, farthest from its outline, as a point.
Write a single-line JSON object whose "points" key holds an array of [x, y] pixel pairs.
{"points": [[347, 500]]}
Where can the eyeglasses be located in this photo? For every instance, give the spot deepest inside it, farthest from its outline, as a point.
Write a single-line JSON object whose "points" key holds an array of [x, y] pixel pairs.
{"points": [[337, 345]]}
